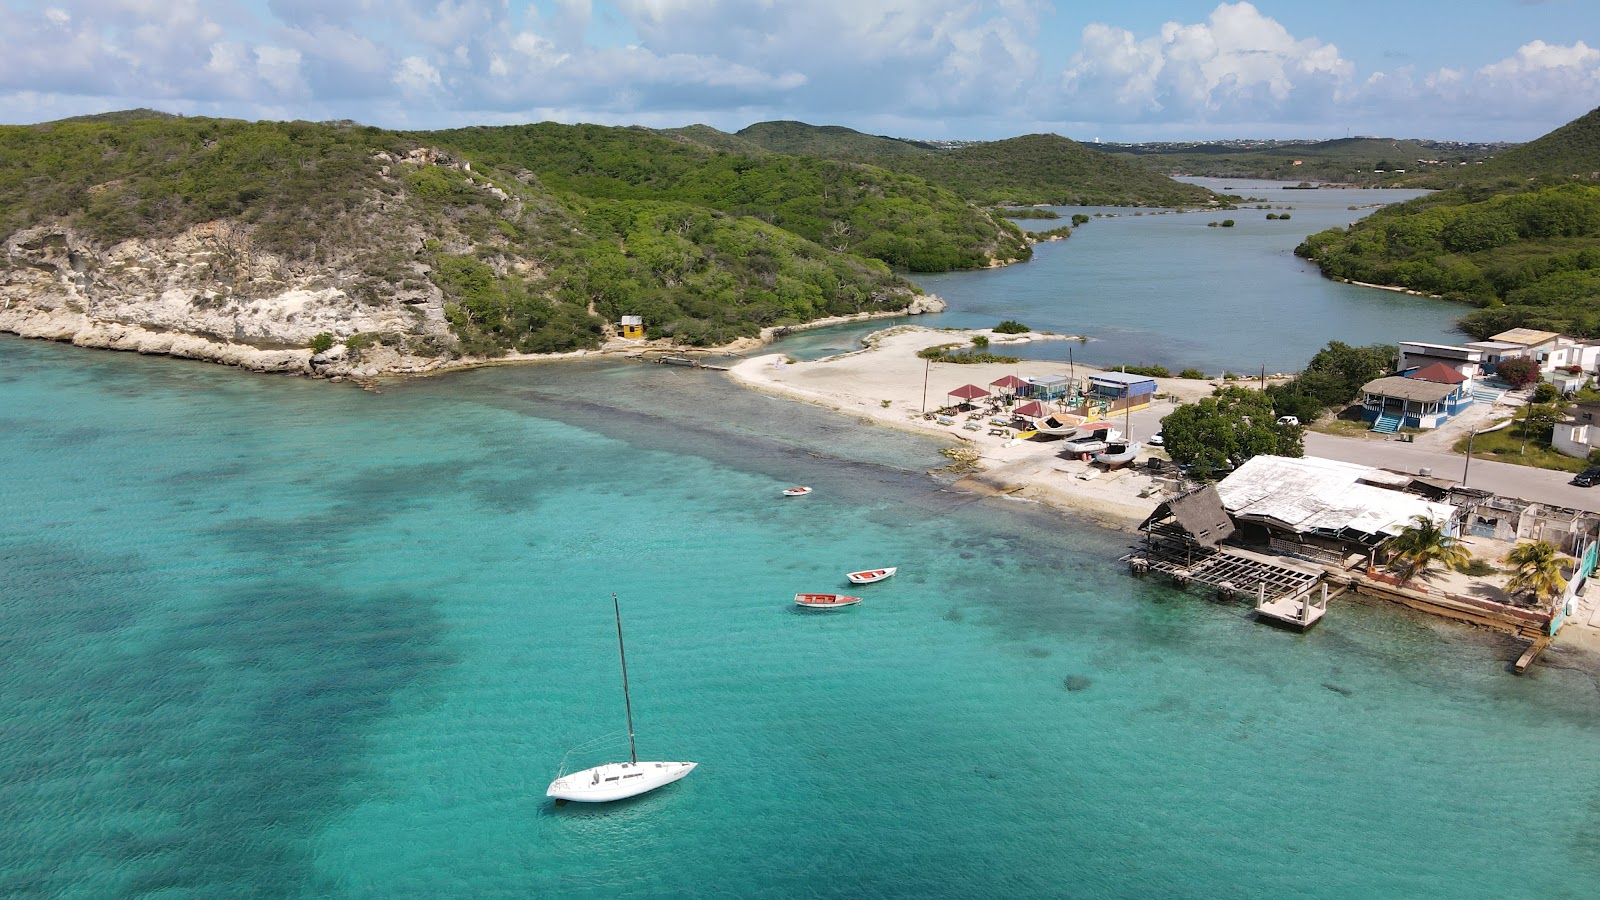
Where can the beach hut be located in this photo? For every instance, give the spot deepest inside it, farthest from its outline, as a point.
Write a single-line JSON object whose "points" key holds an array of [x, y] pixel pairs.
{"points": [[968, 393], [1122, 392], [1046, 387], [632, 327]]}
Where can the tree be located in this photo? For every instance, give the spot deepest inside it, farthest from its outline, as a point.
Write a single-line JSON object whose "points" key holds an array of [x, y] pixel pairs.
{"points": [[1519, 371], [1423, 545], [1226, 429], [1538, 570]]}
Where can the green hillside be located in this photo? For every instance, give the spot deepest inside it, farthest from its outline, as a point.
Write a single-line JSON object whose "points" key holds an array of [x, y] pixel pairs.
{"points": [[1521, 240], [848, 207], [1359, 160], [521, 266], [828, 141], [1046, 168], [711, 138]]}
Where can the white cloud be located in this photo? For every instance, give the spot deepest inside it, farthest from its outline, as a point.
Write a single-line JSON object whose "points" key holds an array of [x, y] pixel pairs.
{"points": [[1236, 63]]}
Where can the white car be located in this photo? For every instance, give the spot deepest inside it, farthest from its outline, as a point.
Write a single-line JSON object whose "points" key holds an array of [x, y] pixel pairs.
{"points": [[1288, 420], [1157, 439]]}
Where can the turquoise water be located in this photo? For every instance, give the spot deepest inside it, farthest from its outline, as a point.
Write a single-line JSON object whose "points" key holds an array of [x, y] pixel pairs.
{"points": [[1167, 289], [267, 636]]}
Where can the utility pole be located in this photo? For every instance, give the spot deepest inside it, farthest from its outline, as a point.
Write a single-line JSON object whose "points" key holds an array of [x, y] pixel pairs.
{"points": [[1468, 465], [925, 370]]}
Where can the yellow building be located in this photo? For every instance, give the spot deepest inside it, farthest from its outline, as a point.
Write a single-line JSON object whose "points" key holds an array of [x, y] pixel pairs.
{"points": [[632, 327]]}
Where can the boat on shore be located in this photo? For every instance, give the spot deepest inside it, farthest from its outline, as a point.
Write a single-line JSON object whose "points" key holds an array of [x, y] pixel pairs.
{"points": [[796, 491], [1096, 439], [1059, 425], [872, 575], [1117, 455], [616, 780], [825, 601]]}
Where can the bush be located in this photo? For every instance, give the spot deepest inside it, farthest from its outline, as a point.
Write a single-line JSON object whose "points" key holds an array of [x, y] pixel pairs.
{"points": [[1152, 371], [1195, 374], [1518, 372], [981, 342], [322, 343], [1010, 327], [1227, 223], [1079, 219], [1545, 392]]}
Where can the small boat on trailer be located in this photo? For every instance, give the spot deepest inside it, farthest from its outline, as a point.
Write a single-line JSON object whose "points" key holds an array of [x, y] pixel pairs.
{"points": [[871, 575], [796, 491], [1060, 425], [825, 601]]}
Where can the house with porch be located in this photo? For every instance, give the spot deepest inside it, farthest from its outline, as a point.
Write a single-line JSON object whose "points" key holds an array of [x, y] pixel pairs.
{"points": [[1425, 398]]}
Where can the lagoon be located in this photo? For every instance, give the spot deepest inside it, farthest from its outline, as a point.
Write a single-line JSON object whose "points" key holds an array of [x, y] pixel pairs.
{"points": [[1164, 288]]}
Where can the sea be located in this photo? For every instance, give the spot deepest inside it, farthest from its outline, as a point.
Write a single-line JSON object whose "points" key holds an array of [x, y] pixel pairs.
{"points": [[268, 636]]}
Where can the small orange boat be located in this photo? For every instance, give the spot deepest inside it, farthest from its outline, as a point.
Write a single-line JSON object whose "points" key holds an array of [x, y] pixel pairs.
{"points": [[825, 601], [871, 575], [796, 491]]}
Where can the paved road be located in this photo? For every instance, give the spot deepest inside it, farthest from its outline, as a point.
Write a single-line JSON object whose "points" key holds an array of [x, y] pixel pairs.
{"points": [[1541, 485]]}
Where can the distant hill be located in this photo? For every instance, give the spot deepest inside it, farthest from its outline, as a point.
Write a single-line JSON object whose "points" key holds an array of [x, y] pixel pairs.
{"points": [[118, 117], [1358, 160], [1571, 151], [1518, 236], [706, 136], [1046, 168], [829, 141], [1039, 168]]}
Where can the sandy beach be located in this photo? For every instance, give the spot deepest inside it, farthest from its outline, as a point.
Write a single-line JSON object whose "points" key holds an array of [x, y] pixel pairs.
{"points": [[887, 384]]}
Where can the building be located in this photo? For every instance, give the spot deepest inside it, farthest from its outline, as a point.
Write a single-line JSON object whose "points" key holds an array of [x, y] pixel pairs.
{"points": [[1549, 349], [1418, 355], [1425, 398], [1121, 391], [632, 327], [1578, 433], [1046, 387], [1323, 509]]}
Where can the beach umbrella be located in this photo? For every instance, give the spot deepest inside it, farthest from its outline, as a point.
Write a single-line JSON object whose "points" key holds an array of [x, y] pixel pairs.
{"points": [[1033, 409], [1008, 384], [968, 393]]}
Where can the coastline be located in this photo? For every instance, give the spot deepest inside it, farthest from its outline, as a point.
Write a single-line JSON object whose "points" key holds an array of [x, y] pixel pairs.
{"points": [[884, 385]]}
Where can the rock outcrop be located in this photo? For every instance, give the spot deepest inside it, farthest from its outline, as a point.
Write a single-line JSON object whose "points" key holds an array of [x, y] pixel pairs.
{"points": [[206, 294]]}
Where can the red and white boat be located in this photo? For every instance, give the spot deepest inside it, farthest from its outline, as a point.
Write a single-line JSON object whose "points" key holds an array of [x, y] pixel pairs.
{"points": [[796, 491], [825, 601], [871, 575]]}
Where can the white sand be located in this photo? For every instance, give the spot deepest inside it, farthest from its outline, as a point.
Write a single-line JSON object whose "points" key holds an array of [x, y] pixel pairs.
{"points": [[889, 370]]}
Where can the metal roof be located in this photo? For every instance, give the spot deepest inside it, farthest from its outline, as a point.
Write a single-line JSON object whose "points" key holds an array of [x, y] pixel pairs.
{"points": [[1527, 337], [1120, 378], [1314, 494], [1403, 388]]}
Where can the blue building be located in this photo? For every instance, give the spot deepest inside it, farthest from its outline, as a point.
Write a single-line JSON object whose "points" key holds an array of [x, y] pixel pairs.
{"points": [[1425, 398]]}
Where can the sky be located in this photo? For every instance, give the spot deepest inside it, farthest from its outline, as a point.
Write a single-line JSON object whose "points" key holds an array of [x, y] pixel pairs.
{"points": [[1125, 70]]}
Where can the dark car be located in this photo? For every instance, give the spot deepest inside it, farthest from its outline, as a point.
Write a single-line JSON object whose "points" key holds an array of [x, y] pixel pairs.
{"points": [[1588, 477]]}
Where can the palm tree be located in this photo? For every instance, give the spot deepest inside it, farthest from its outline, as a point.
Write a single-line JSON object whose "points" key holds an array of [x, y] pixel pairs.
{"points": [[1422, 545], [1538, 570]]}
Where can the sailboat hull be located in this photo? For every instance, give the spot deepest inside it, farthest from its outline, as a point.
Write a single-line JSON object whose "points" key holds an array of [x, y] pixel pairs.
{"points": [[616, 781]]}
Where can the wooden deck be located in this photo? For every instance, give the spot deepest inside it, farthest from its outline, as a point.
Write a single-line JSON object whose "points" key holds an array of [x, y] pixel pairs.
{"points": [[1231, 570]]}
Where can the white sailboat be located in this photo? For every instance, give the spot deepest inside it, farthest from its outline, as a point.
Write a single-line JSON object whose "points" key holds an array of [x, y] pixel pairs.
{"points": [[617, 780]]}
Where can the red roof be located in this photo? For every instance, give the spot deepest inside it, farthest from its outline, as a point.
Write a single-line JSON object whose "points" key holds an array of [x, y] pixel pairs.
{"points": [[969, 392], [1010, 381], [1439, 373], [1033, 409]]}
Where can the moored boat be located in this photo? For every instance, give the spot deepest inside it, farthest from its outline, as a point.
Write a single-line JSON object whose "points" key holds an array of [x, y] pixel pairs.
{"points": [[796, 491], [825, 601], [871, 575], [616, 780]]}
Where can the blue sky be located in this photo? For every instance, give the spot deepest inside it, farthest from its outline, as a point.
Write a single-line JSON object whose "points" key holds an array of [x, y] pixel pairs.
{"points": [[976, 69]]}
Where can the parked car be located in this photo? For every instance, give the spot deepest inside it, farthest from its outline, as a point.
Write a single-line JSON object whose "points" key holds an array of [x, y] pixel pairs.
{"points": [[1288, 420], [1588, 477], [1157, 439]]}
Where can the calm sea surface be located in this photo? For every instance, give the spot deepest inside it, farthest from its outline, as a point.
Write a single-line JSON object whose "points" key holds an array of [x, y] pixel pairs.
{"points": [[1168, 289], [264, 636]]}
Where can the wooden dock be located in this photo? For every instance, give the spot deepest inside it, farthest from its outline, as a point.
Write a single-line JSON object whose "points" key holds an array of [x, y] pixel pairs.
{"points": [[1230, 570], [1532, 653], [1299, 612]]}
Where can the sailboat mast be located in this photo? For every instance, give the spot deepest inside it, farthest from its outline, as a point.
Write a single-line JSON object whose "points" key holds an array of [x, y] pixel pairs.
{"points": [[627, 703]]}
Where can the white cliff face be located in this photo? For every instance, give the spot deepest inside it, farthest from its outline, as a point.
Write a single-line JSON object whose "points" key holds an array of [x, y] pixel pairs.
{"points": [[205, 294]]}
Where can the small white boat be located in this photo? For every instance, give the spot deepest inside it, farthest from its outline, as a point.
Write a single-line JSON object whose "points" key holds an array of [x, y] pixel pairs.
{"points": [[1117, 455], [796, 491], [825, 601], [1095, 441], [871, 575], [1059, 425], [617, 780]]}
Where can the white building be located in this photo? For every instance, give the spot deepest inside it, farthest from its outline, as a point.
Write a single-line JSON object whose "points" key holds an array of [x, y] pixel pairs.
{"points": [[1579, 433], [1466, 360]]}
